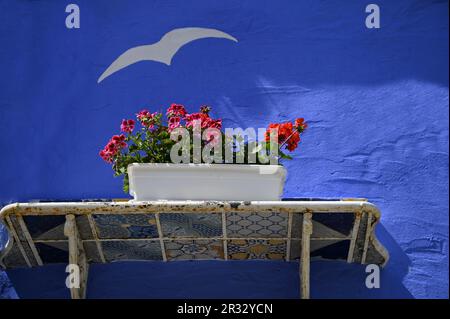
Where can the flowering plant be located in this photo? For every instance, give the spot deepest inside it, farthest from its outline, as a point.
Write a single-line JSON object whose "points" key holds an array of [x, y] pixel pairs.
{"points": [[158, 141]]}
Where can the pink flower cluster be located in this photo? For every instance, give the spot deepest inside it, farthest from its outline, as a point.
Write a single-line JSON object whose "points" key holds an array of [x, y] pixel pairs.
{"points": [[176, 113], [127, 126], [115, 144], [147, 119]]}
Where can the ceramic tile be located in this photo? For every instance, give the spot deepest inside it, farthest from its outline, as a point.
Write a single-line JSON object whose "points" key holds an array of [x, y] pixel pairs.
{"points": [[126, 226], [194, 249], [256, 249], [267, 224], [191, 225], [132, 250]]}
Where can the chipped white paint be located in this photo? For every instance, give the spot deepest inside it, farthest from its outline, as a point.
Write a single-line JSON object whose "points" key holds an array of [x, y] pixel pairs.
{"points": [[225, 236], [306, 208], [77, 256], [15, 237], [160, 235], [367, 238], [82, 208], [289, 234], [307, 229], [29, 240], [96, 238], [354, 237]]}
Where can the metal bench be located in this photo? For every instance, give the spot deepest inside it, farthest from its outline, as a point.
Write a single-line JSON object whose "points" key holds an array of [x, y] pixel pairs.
{"points": [[81, 233]]}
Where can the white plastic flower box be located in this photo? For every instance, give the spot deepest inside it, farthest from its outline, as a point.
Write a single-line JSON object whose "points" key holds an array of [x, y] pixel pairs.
{"points": [[206, 182]]}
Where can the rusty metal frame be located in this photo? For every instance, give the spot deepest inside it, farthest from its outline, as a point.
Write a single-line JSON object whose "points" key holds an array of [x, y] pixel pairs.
{"points": [[307, 208]]}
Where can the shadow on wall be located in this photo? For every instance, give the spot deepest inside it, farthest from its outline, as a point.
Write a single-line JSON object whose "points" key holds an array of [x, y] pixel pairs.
{"points": [[341, 280], [235, 279]]}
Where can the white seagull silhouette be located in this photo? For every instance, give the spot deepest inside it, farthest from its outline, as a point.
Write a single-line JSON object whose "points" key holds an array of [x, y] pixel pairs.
{"points": [[163, 50]]}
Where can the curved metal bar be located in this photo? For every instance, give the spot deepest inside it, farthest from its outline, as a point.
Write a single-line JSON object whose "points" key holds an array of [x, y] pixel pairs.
{"points": [[364, 246]]}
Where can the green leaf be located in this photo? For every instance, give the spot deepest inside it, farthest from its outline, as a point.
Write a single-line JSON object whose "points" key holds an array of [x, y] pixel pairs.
{"points": [[284, 156]]}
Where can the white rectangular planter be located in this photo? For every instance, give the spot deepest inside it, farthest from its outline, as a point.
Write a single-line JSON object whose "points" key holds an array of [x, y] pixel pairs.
{"points": [[206, 181]]}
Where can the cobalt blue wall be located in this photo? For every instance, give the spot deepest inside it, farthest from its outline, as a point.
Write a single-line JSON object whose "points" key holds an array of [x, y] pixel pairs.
{"points": [[376, 101]]}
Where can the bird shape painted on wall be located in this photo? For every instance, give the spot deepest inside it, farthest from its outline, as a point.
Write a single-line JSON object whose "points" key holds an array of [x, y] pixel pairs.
{"points": [[164, 50]]}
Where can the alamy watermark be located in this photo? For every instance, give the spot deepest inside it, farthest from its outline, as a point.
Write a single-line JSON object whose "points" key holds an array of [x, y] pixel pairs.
{"points": [[73, 17], [373, 19], [235, 146], [373, 277], [73, 279]]}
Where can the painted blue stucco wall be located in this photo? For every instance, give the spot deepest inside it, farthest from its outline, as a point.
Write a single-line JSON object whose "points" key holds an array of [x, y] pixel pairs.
{"points": [[376, 100]]}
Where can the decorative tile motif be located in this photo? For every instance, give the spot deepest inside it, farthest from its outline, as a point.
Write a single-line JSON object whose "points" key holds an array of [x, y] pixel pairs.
{"points": [[325, 225], [190, 236], [322, 249], [132, 250], [257, 249], [194, 249], [126, 226], [191, 225], [267, 224]]}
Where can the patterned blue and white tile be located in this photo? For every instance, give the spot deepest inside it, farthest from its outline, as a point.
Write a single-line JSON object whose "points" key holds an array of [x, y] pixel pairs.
{"points": [[265, 224], [194, 249], [191, 225], [240, 249], [132, 250], [126, 226]]}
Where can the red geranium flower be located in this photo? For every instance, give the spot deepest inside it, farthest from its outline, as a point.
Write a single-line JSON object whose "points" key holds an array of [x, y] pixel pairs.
{"points": [[292, 141], [107, 156], [287, 133], [193, 118], [300, 124], [127, 126], [174, 122], [146, 118], [210, 123], [176, 110], [115, 144], [142, 115], [273, 127]]}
